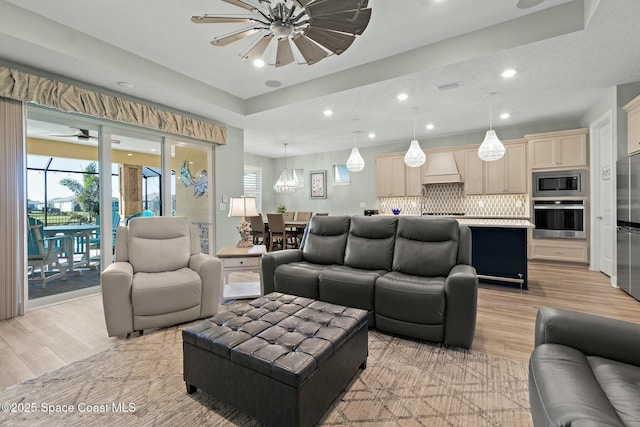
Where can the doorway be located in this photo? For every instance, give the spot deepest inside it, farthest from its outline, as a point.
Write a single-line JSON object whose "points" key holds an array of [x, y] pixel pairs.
{"points": [[603, 203]]}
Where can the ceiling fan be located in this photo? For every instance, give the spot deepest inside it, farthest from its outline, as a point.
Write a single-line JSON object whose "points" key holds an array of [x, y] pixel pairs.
{"points": [[82, 135], [313, 29]]}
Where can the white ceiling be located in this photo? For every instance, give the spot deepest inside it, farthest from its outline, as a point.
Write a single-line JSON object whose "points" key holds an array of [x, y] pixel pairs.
{"points": [[565, 62]]}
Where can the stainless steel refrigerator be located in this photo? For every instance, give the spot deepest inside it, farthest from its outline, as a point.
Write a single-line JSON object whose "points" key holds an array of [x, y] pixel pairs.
{"points": [[628, 230]]}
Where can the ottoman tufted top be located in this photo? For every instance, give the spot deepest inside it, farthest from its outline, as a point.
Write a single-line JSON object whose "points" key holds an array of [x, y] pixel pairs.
{"points": [[282, 336]]}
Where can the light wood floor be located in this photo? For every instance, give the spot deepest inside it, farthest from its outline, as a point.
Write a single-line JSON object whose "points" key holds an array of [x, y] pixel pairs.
{"points": [[49, 338]]}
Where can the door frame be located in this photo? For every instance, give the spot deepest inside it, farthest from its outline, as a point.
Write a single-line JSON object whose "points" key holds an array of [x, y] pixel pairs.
{"points": [[594, 144]]}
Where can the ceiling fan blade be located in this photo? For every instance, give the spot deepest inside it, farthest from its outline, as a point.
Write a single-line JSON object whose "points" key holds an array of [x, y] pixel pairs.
{"points": [[284, 55], [329, 7], [57, 135], [311, 52], [258, 49], [334, 41], [210, 19], [232, 37], [343, 22], [242, 4]]}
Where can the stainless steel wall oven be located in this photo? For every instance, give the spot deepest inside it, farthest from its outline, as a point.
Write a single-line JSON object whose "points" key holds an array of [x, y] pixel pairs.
{"points": [[560, 219]]}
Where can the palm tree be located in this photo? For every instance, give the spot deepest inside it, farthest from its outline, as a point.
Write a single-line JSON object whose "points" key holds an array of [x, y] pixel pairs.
{"points": [[88, 192]]}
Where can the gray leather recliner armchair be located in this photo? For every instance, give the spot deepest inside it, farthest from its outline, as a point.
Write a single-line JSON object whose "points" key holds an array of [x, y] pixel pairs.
{"points": [[584, 370], [160, 278]]}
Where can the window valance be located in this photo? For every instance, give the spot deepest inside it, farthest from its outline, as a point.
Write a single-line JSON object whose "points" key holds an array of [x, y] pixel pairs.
{"points": [[26, 87]]}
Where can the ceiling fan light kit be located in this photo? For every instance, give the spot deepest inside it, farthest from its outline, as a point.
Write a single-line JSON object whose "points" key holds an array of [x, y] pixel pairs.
{"points": [[491, 148], [305, 31]]}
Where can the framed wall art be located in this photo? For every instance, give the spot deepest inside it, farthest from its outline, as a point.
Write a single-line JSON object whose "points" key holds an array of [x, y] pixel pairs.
{"points": [[318, 184]]}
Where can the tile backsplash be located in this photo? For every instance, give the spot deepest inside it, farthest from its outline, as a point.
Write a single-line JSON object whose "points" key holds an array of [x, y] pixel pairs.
{"points": [[451, 198]]}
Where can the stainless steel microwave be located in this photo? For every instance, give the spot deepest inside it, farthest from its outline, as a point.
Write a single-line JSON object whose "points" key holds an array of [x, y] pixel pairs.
{"points": [[562, 183]]}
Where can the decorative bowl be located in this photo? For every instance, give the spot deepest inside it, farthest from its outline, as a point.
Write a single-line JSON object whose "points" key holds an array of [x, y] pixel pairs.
{"points": [[396, 211]]}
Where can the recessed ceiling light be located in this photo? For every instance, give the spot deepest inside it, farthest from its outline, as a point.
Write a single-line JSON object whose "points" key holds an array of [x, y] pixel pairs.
{"points": [[153, 149], [125, 85], [430, 126], [258, 63], [402, 96], [328, 113], [272, 83], [505, 116], [526, 4], [510, 72], [372, 135], [129, 154]]}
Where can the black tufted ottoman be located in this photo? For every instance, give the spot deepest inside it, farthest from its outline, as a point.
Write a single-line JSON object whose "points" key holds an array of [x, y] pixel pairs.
{"points": [[280, 359]]}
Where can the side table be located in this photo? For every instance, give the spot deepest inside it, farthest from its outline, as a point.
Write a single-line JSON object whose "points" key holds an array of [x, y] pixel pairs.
{"points": [[241, 260]]}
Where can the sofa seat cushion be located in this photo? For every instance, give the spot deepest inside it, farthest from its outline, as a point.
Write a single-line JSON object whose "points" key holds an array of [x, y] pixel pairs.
{"points": [[299, 278], [349, 286], [563, 388], [412, 299], [166, 292]]}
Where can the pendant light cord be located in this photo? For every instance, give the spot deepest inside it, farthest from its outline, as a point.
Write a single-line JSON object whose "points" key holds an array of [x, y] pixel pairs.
{"points": [[285, 155], [414, 124]]}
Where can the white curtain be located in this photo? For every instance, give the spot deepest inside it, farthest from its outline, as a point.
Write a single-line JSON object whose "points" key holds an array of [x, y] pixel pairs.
{"points": [[12, 207]]}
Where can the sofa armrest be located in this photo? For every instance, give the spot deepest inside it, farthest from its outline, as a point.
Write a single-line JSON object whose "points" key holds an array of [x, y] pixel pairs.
{"points": [[116, 281], [272, 260], [461, 294], [210, 270], [593, 335]]}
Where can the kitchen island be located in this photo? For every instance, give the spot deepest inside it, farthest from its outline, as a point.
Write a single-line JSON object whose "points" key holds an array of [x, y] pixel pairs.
{"points": [[499, 249]]}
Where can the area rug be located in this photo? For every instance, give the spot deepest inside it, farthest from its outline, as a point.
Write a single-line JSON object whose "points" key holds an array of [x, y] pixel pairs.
{"points": [[406, 383]]}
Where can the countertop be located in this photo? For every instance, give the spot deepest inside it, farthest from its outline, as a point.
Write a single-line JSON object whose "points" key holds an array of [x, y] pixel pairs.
{"points": [[496, 222]]}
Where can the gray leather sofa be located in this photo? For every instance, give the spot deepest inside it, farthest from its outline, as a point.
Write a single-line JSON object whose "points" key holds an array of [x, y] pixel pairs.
{"points": [[584, 370], [412, 274]]}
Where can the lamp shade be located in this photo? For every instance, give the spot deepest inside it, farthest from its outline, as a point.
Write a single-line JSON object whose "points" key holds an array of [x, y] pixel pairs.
{"points": [[286, 183], [415, 157], [355, 162], [243, 207], [491, 148]]}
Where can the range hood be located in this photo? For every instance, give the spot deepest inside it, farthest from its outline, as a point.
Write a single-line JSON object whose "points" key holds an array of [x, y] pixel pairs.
{"points": [[441, 168]]}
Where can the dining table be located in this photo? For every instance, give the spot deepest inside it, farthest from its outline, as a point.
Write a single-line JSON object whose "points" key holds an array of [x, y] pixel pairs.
{"points": [[70, 232]]}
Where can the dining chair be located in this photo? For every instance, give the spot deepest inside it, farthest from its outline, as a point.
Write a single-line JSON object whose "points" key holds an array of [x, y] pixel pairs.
{"points": [[278, 233], [94, 242], [301, 216], [44, 252], [289, 216], [258, 229]]}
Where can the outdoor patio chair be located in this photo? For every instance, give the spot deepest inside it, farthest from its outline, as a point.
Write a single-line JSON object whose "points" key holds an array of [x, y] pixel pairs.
{"points": [[44, 253]]}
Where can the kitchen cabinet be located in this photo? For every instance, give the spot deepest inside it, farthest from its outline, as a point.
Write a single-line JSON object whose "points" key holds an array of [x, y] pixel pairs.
{"points": [[413, 180], [559, 250], [566, 149], [507, 175], [390, 176], [633, 125], [473, 172]]}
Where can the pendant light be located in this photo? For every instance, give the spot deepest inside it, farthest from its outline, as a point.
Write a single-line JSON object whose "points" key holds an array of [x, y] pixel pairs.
{"points": [[355, 162], [287, 182], [414, 157], [491, 148]]}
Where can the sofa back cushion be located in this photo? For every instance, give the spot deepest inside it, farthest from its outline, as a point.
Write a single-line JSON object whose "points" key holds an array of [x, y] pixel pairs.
{"points": [[326, 239], [426, 246], [157, 244], [370, 243]]}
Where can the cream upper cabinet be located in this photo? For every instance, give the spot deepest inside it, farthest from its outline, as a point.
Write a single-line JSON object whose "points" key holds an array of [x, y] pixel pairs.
{"points": [[633, 125], [473, 172], [413, 180], [507, 175], [390, 176], [558, 149]]}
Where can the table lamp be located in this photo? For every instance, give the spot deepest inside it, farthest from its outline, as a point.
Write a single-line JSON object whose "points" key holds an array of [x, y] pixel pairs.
{"points": [[243, 207]]}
